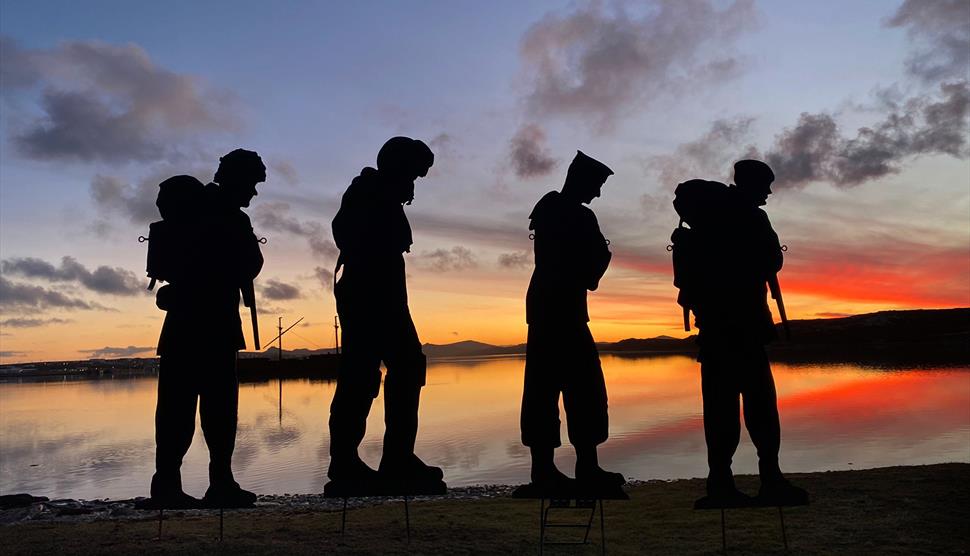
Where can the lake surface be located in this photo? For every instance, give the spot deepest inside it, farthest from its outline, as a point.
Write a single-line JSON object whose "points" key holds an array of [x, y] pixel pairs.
{"points": [[95, 438]]}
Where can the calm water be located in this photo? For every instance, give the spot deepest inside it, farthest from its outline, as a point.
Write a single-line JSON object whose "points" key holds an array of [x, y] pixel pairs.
{"points": [[94, 439]]}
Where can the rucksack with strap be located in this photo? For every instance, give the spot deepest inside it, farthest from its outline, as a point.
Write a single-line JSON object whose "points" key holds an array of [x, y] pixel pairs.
{"points": [[179, 201], [699, 204]]}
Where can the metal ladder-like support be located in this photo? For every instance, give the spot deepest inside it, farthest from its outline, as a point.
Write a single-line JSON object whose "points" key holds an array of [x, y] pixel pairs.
{"points": [[222, 515], [407, 517], [564, 504]]}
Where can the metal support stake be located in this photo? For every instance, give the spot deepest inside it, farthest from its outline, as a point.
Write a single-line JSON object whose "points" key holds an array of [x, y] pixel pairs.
{"points": [[542, 524], [160, 510], [784, 536], [589, 523], [222, 514], [602, 529], [407, 518], [343, 518], [723, 533]]}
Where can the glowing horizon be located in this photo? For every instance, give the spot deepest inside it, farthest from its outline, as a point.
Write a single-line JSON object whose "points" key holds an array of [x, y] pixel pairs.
{"points": [[871, 150]]}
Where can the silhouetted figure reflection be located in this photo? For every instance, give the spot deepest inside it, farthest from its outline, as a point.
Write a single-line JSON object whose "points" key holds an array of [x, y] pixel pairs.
{"points": [[723, 263], [571, 256], [373, 233], [209, 253]]}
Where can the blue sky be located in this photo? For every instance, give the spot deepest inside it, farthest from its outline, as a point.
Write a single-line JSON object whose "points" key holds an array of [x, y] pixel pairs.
{"points": [[317, 87]]}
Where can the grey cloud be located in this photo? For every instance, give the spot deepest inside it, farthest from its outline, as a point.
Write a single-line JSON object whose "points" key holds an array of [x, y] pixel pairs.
{"points": [[275, 217], [600, 61], [32, 323], [710, 156], [443, 260], [284, 170], [135, 202], [325, 276], [815, 150], [107, 351], [941, 30], [104, 279], [279, 291], [104, 102], [442, 141], [17, 295], [519, 259], [510, 233], [528, 153], [12, 354], [270, 310]]}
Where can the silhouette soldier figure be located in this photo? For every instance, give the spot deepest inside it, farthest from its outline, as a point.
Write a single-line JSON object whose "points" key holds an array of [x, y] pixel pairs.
{"points": [[722, 265], [373, 233], [207, 252], [571, 256]]}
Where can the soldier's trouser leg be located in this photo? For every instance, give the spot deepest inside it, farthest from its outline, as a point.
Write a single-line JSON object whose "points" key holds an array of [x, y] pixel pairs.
{"points": [[722, 419], [761, 411], [539, 419], [584, 390], [218, 413], [174, 422], [406, 374], [358, 383]]}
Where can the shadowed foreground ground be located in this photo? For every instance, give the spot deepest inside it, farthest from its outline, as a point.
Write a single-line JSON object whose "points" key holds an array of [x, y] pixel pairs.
{"points": [[897, 510]]}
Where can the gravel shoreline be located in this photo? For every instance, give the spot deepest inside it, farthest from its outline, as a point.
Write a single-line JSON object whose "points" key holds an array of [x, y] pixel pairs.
{"points": [[68, 510], [40, 509]]}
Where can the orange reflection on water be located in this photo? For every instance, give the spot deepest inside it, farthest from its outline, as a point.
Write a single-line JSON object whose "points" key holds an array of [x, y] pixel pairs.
{"points": [[95, 438]]}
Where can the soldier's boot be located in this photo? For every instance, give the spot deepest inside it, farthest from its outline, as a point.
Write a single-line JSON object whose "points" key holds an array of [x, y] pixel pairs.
{"points": [[224, 491], [348, 466], [348, 423], [399, 463], [588, 470], [167, 494], [545, 475], [776, 490], [722, 492]]}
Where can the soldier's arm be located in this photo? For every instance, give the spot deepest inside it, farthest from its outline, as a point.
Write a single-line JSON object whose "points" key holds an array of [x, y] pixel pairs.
{"points": [[598, 253], [250, 260], [771, 246]]}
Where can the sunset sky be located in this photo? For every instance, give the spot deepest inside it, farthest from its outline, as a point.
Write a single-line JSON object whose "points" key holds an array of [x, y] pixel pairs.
{"points": [[862, 108]]}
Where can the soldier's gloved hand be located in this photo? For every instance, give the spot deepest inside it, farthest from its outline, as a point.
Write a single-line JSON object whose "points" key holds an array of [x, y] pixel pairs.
{"points": [[165, 297]]}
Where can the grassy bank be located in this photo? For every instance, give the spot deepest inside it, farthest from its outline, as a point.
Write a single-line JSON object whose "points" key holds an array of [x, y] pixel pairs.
{"points": [[898, 510]]}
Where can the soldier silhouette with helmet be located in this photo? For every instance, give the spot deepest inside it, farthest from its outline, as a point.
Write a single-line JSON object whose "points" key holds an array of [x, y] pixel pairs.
{"points": [[207, 253], [372, 232], [571, 255], [722, 265]]}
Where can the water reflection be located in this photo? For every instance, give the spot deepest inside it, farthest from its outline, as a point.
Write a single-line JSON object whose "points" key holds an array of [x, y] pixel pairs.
{"points": [[94, 439]]}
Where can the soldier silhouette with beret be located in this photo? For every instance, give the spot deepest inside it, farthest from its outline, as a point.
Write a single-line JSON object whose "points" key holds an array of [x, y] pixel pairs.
{"points": [[723, 264], [571, 255]]}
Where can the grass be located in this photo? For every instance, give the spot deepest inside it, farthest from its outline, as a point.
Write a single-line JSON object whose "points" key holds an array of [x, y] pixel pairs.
{"points": [[897, 510]]}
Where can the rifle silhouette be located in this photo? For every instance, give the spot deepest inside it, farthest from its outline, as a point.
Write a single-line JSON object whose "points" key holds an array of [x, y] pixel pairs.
{"points": [[776, 295]]}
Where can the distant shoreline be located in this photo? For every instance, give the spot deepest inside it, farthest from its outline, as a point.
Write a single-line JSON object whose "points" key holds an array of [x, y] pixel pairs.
{"points": [[923, 338]]}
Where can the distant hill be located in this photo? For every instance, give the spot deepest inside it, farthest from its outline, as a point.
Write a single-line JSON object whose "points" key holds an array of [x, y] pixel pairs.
{"points": [[907, 337], [470, 348]]}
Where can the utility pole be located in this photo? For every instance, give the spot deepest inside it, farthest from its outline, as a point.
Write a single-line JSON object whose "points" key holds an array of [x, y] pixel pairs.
{"points": [[280, 328]]}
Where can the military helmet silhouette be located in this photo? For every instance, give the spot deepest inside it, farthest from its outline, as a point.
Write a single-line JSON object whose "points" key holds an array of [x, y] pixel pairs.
{"points": [[752, 172], [404, 155], [240, 165]]}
